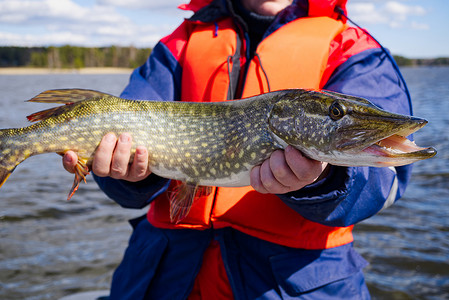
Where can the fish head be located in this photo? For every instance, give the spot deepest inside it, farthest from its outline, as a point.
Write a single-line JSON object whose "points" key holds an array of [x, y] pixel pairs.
{"points": [[346, 130]]}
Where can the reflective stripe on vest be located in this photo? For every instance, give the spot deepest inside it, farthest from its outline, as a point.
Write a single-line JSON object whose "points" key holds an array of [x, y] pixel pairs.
{"points": [[294, 56]]}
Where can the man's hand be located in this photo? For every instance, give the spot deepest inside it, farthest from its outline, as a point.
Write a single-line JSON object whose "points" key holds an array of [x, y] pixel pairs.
{"points": [[285, 171], [112, 159]]}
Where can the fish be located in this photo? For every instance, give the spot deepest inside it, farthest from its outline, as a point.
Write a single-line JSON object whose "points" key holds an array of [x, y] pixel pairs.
{"points": [[205, 144]]}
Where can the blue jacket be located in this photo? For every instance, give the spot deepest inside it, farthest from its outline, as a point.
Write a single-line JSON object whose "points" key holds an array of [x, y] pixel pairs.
{"points": [[162, 264]]}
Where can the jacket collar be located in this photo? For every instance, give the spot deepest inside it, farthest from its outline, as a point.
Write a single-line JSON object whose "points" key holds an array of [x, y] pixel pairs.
{"points": [[194, 5], [215, 10]]}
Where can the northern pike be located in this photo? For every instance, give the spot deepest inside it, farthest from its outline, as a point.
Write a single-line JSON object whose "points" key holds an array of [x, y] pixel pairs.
{"points": [[216, 143]]}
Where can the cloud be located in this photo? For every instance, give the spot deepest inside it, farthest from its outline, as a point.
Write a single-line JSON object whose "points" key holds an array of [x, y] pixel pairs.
{"points": [[392, 13], [142, 4], [57, 38], [36, 12], [402, 10], [101, 23], [419, 26]]}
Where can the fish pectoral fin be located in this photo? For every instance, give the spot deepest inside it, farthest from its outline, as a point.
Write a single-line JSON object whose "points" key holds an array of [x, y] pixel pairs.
{"points": [[182, 198], [67, 96], [81, 170]]}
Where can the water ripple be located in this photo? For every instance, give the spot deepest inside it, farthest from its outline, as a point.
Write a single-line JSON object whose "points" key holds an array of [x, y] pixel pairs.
{"points": [[52, 247]]}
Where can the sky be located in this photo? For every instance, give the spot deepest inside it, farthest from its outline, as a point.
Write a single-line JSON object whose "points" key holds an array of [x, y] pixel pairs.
{"points": [[412, 28]]}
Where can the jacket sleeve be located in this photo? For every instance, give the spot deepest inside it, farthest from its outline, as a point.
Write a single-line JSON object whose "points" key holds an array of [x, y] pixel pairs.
{"points": [[157, 79], [351, 194]]}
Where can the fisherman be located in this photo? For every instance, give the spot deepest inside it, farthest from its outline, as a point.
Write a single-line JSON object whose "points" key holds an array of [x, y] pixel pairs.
{"points": [[289, 235]]}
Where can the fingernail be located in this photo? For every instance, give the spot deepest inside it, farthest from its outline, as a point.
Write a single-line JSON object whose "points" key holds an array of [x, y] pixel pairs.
{"points": [[124, 138], [140, 151], [110, 138]]}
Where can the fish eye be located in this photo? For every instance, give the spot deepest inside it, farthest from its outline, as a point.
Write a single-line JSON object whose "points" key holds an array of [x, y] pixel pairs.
{"points": [[336, 111]]}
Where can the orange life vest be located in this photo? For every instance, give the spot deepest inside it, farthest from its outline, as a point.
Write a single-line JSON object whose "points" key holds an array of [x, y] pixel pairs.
{"points": [[294, 56]]}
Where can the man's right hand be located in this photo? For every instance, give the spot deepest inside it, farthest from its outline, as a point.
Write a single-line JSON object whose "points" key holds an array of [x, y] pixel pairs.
{"points": [[112, 159]]}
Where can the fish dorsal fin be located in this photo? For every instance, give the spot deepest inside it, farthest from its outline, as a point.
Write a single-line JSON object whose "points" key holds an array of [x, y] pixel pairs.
{"points": [[44, 114], [182, 197], [64, 96], [67, 96]]}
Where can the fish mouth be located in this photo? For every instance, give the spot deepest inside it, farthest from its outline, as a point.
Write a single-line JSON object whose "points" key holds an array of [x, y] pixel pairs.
{"points": [[398, 146]]}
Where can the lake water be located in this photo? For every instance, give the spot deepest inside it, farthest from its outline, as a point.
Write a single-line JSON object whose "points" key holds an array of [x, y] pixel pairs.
{"points": [[50, 247]]}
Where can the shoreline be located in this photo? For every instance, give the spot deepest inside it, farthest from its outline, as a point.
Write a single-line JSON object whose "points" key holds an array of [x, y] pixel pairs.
{"points": [[46, 71]]}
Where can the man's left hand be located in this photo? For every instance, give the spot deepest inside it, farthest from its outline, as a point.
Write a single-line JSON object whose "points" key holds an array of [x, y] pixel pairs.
{"points": [[285, 171]]}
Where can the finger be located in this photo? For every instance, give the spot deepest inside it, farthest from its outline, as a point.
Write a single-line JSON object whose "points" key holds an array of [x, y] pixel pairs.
{"points": [[101, 164], [281, 170], [69, 161], [270, 183], [139, 168], [305, 169], [121, 156], [256, 182]]}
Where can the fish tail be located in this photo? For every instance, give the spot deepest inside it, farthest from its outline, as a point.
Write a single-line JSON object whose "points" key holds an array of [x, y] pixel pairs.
{"points": [[10, 155], [4, 175]]}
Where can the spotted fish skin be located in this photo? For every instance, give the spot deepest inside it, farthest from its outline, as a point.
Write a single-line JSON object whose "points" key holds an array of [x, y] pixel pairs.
{"points": [[199, 143], [216, 143]]}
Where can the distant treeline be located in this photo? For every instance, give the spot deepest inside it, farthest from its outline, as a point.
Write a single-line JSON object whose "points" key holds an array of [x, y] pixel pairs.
{"points": [[73, 57], [404, 61], [114, 56]]}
